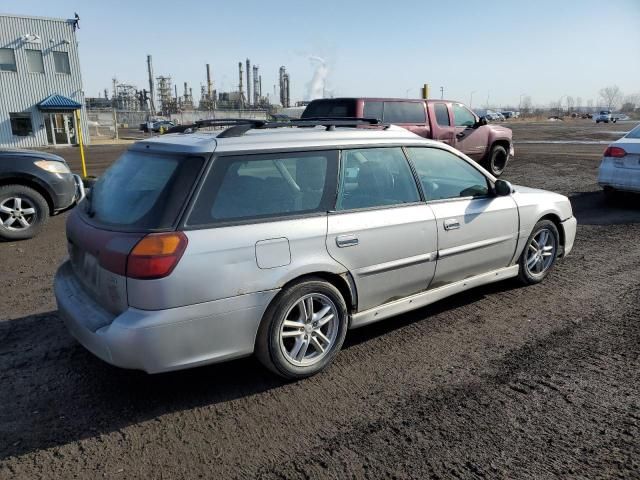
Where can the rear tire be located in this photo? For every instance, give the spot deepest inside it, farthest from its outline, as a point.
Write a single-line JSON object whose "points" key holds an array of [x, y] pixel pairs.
{"points": [[23, 212], [540, 253], [303, 329], [497, 160]]}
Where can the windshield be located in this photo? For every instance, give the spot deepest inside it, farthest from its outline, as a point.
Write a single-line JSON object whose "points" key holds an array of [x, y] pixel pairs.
{"points": [[143, 191]]}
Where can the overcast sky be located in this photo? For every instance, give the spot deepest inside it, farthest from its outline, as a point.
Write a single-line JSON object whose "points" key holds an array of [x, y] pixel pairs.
{"points": [[497, 49]]}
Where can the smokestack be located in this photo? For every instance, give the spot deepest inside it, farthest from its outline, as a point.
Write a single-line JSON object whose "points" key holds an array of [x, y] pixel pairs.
{"points": [[248, 82], [151, 84], [256, 93], [260, 84], [288, 96], [240, 86], [185, 89], [209, 85]]}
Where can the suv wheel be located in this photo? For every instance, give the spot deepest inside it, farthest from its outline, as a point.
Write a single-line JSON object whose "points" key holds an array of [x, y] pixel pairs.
{"points": [[23, 212], [540, 253], [303, 329], [497, 160]]}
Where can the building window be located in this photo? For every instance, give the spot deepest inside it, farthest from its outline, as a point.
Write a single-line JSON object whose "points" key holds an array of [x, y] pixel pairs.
{"points": [[61, 60], [7, 60], [21, 124], [34, 61]]}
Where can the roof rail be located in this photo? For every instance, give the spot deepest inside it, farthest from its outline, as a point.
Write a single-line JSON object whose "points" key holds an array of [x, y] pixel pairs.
{"points": [[240, 126]]}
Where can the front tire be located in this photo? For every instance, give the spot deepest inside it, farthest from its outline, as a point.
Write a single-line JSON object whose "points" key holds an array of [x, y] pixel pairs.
{"points": [[23, 212], [540, 253], [303, 329], [497, 160]]}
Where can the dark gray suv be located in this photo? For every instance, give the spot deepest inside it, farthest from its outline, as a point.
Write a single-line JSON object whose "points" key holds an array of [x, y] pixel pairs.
{"points": [[33, 186]]}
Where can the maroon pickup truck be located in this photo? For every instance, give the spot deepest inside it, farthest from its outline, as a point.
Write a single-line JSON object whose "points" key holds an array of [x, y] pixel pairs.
{"points": [[443, 120]]}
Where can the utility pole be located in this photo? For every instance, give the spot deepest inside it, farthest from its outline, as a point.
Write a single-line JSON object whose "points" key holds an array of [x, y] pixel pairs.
{"points": [[441, 93], [115, 115], [471, 99]]}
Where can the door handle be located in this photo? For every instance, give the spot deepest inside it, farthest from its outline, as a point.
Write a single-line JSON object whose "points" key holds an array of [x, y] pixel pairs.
{"points": [[459, 134], [451, 224], [349, 240]]}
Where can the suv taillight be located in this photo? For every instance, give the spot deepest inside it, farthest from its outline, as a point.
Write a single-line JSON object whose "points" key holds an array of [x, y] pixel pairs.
{"points": [[615, 152], [156, 255]]}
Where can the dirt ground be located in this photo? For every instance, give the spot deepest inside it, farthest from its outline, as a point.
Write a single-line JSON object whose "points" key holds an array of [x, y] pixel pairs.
{"points": [[499, 382]]}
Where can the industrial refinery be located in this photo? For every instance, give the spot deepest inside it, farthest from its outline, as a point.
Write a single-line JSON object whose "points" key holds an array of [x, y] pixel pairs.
{"points": [[164, 96]]}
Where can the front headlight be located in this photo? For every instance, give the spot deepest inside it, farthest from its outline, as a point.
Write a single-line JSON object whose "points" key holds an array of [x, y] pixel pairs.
{"points": [[52, 166]]}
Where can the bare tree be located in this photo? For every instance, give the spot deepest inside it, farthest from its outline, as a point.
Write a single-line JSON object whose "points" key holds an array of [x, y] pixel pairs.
{"points": [[630, 103], [570, 104], [611, 96], [589, 105], [579, 103]]}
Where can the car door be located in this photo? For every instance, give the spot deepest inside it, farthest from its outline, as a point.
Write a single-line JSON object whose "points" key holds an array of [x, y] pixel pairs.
{"points": [[470, 139], [444, 129], [381, 230], [477, 230]]}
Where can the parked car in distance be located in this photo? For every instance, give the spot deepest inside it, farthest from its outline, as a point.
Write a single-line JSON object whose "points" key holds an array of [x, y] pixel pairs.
{"points": [[276, 240], [620, 167], [605, 116], [33, 186], [157, 125], [447, 121]]}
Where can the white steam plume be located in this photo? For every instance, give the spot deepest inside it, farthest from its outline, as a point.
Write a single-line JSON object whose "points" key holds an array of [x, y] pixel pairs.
{"points": [[317, 86]]}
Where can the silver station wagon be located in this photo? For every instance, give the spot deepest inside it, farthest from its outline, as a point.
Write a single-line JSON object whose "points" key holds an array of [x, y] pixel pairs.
{"points": [[204, 246]]}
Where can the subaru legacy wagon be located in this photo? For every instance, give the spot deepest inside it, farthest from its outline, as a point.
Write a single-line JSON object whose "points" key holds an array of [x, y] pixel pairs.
{"points": [[200, 247]]}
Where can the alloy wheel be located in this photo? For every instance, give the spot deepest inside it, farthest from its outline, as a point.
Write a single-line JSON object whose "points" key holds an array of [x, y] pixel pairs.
{"points": [[541, 252], [17, 213], [309, 329]]}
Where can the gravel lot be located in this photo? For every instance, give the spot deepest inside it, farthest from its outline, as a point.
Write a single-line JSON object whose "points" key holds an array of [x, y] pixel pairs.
{"points": [[499, 382]]}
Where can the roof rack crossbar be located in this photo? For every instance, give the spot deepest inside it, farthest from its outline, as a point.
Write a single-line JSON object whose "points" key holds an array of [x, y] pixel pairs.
{"points": [[240, 126]]}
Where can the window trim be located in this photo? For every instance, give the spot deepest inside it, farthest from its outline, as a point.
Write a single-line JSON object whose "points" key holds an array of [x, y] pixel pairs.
{"points": [[330, 183], [416, 181], [25, 115], [435, 114], [419, 124], [55, 70], [490, 183], [26, 54], [15, 60], [453, 108]]}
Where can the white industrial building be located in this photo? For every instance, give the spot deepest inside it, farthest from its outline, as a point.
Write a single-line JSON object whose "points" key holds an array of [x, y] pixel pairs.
{"points": [[40, 83]]}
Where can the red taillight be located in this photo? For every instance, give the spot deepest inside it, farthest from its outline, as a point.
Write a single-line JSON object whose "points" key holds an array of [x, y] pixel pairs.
{"points": [[156, 255], [615, 152]]}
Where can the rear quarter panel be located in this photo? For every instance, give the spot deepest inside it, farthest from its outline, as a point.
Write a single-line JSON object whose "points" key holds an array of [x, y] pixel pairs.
{"points": [[236, 260]]}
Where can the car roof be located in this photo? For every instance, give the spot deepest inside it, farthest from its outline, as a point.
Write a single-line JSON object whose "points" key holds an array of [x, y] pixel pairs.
{"points": [[281, 138], [386, 99]]}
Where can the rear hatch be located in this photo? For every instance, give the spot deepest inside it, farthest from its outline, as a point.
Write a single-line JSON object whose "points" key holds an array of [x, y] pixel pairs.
{"points": [[140, 194]]}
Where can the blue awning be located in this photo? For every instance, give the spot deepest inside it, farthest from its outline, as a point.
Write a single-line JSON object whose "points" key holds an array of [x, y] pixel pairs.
{"points": [[58, 102]]}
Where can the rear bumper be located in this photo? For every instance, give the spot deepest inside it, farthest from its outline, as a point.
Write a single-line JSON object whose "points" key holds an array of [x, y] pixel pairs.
{"points": [[163, 340], [620, 178], [569, 228]]}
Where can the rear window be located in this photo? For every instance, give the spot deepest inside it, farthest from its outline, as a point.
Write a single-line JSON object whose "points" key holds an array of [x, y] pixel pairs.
{"points": [[404, 112], [143, 191], [254, 187], [635, 133], [330, 108]]}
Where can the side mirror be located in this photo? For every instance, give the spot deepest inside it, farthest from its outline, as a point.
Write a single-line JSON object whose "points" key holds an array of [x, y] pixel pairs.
{"points": [[481, 122], [503, 188]]}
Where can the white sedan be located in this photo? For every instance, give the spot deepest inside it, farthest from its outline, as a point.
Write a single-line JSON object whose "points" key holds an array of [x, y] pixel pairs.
{"points": [[620, 167]]}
